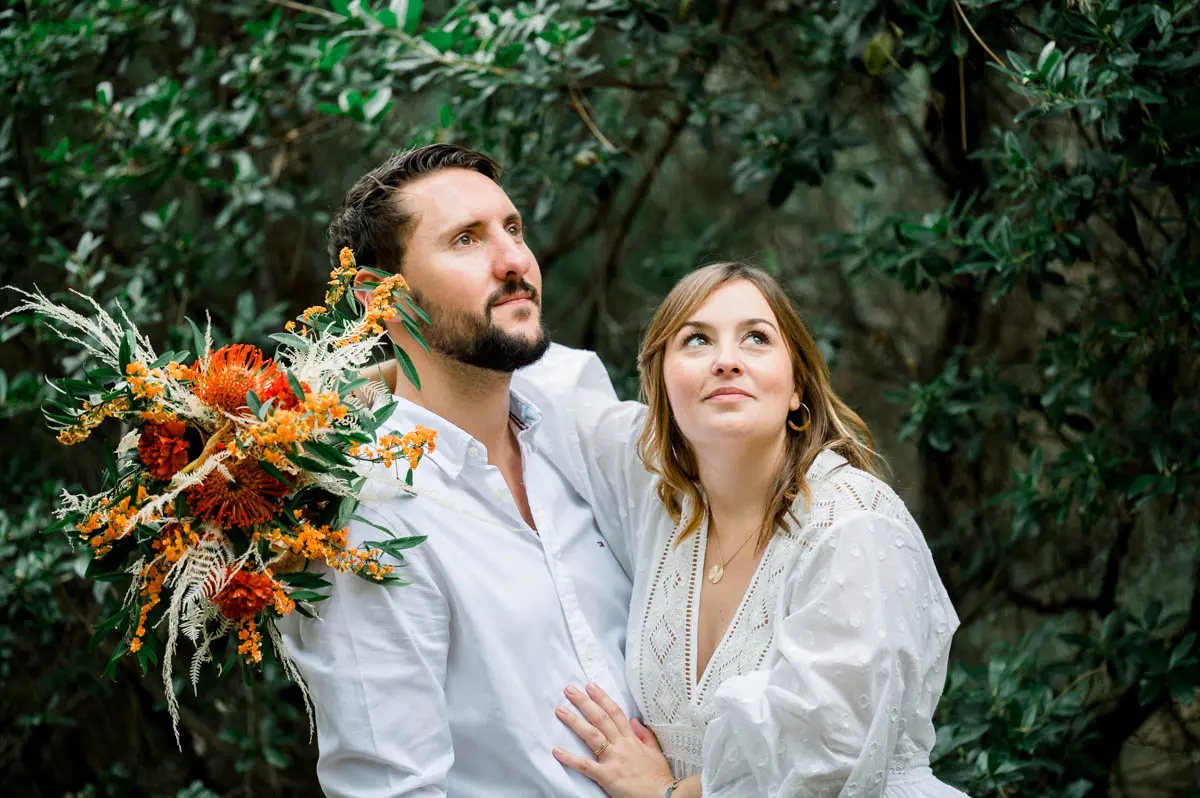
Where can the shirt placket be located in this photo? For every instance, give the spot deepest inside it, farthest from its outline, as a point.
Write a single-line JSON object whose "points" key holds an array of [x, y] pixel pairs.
{"points": [[587, 648]]}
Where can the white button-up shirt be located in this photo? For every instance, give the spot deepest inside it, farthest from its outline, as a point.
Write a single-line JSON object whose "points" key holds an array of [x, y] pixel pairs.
{"points": [[447, 686]]}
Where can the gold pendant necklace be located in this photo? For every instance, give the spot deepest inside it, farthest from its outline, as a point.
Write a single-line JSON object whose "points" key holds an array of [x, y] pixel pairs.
{"points": [[717, 572]]}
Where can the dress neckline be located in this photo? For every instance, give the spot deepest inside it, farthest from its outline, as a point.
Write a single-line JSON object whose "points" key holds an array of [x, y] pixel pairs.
{"points": [[697, 684]]}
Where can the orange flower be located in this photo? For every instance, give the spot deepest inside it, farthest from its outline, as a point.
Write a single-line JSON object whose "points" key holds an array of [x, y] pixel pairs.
{"points": [[245, 594], [163, 448], [251, 640], [222, 379], [281, 392], [250, 498]]}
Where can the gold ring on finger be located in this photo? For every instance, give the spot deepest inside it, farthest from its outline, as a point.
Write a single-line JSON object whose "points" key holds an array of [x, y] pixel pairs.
{"points": [[601, 749]]}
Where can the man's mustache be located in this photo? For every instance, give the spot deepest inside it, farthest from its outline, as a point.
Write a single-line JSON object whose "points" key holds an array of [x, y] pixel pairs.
{"points": [[510, 289]]}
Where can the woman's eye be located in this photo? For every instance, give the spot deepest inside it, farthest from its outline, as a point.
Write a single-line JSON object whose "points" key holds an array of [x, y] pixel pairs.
{"points": [[759, 338], [695, 339]]}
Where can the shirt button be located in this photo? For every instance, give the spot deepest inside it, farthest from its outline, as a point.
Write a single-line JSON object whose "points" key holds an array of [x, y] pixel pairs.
{"points": [[473, 451]]}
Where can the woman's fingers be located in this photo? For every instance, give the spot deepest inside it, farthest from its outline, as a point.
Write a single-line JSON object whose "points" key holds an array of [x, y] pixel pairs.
{"points": [[582, 764], [592, 737], [644, 734], [594, 713], [611, 708]]}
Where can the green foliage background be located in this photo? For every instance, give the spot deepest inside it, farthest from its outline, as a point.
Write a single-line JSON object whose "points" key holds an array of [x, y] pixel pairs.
{"points": [[988, 211]]}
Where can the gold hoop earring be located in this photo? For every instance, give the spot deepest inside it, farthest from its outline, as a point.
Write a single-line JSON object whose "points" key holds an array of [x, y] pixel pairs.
{"points": [[807, 420]]}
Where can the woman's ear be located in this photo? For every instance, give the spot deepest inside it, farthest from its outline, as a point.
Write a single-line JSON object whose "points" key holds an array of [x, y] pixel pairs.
{"points": [[794, 404]]}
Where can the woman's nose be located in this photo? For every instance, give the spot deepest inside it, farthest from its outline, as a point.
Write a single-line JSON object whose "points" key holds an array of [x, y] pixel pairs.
{"points": [[726, 363]]}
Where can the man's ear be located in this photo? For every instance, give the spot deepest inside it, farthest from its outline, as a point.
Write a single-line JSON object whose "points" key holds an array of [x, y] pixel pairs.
{"points": [[363, 286]]}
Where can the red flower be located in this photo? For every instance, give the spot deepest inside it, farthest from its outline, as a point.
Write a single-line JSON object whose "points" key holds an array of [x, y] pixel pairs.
{"points": [[163, 449], [252, 497], [281, 391], [245, 594], [222, 380]]}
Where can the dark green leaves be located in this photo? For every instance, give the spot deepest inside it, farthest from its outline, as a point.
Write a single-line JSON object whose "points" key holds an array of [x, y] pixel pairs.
{"points": [[406, 365]]}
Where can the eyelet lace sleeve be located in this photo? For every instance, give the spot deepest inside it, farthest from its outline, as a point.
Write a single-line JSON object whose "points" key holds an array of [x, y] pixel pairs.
{"points": [[857, 669]]}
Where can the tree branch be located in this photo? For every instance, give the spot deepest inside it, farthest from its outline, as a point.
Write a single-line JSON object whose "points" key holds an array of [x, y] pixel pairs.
{"points": [[606, 273]]}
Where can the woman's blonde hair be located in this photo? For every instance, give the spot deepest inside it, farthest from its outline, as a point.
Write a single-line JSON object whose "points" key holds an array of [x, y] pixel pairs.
{"points": [[666, 452]]}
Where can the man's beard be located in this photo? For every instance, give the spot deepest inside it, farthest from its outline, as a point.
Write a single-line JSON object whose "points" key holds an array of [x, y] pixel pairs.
{"points": [[475, 340]]}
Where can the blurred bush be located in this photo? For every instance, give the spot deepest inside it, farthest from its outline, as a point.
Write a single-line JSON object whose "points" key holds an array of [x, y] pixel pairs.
{"points": [[987, 209]]}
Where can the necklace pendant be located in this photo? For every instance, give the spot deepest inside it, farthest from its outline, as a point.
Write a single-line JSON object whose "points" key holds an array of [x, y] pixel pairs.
{"points": [[716, 573]]}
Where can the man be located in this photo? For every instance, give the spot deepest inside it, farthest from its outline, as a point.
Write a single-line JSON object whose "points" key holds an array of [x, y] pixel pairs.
{"points": [[448, 686]]}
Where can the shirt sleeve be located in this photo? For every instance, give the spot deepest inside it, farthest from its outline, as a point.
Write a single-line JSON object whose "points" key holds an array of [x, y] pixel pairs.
{"points": [[375, 663], [621, 487], [864, 620]]}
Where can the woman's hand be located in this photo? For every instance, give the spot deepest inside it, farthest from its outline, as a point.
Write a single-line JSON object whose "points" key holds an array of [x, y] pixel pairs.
{"points": [[628, 761]]}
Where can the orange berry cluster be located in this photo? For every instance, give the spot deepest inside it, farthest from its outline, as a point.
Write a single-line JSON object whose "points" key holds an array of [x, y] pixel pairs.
{"points": [[91, 417]]}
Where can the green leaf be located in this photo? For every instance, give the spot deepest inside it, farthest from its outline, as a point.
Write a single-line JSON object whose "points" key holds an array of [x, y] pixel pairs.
{"points": [[254, 403], [61, 524], [384, 413], [378, 104], [443, 41], [295, 341], [406, 365], [125, 352], [412, 16], [305, 579], [415, 332], [108, 624], [396, 546], [445, 116], [110, 670], [372, 524], [273, 471], [1181, 650], [1141, 485], [311, 596], [345, 512], [1162, 18], [294, 384], [509, 55], [197, 338], [412, 305], [326, 452]]}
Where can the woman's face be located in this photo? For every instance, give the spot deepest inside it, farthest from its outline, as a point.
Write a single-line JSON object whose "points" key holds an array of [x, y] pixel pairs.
{"points": [[728, 372]]}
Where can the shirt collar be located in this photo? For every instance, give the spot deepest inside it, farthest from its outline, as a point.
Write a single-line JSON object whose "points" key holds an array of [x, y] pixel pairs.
{"points": [[453, 446]]}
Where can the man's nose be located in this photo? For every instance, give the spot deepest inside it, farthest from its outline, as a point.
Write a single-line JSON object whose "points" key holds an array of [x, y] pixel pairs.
{"points": [[512, 260]]}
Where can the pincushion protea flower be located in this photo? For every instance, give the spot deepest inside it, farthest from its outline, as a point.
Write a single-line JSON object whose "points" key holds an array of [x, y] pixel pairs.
{"points": [[240, 472], [223, 379]]}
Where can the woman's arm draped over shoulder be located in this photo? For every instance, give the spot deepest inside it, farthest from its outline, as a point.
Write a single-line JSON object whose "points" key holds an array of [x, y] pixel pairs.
{"points": [[375, 664], [865, 617]]}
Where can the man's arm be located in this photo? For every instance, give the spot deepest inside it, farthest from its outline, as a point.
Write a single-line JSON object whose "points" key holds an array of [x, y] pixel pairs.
{"points": [[375, 664]]}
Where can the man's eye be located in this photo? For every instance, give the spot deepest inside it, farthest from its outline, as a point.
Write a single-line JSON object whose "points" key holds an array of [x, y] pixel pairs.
{"points": [[463, 240], [514, 229]]}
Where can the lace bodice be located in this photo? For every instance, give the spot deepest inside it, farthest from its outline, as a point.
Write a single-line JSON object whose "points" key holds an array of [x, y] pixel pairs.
{"points": [[827, 678]]}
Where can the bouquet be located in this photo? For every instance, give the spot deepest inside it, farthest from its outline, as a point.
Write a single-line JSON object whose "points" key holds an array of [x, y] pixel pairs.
{"points": [[237, 473]]}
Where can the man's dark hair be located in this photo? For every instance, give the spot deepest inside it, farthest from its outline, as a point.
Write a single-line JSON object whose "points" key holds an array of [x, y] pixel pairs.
{"points": [[372, 221]]}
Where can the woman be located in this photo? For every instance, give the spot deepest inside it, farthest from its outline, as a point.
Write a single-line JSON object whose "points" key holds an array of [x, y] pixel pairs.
{"points": [[789, 633]]}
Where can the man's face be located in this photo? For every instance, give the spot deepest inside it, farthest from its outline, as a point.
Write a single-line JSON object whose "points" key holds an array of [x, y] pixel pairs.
{"points": [[469, 268]]}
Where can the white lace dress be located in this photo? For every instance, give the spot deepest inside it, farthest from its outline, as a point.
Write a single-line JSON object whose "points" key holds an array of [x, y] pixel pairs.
{"points": [[827, 678]]}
